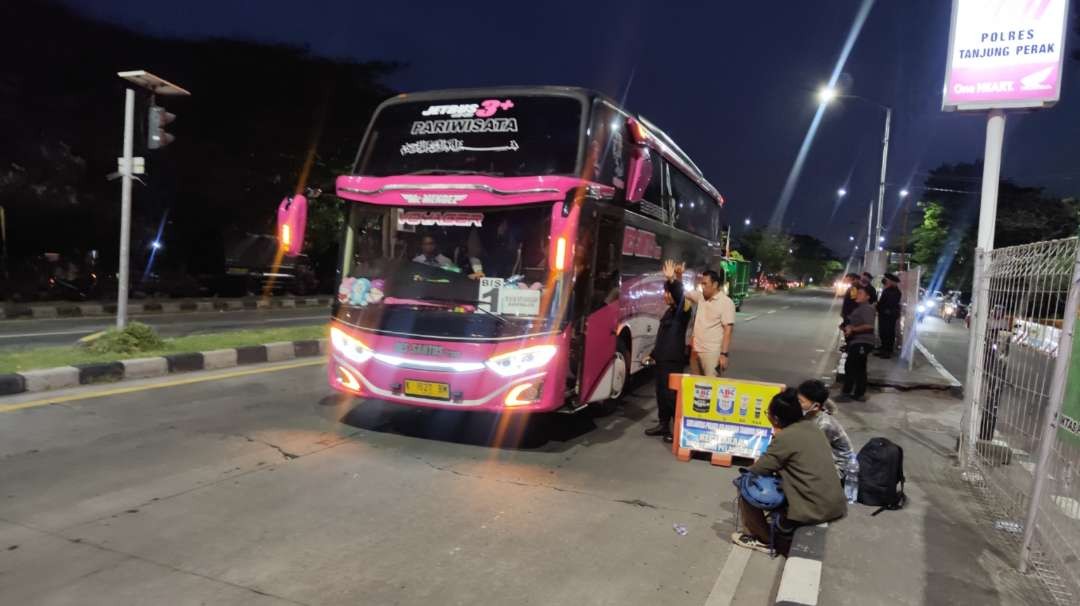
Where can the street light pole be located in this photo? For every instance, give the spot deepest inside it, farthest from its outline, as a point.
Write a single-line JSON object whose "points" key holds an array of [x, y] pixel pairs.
{"points": [[125, 209], [884, 167], [869, 235]]}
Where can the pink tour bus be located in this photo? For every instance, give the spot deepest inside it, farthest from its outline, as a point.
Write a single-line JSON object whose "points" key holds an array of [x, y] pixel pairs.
{"points": [[503, 248]]}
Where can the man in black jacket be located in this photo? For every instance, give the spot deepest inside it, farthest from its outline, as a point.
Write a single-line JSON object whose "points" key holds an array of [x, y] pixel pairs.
{"points": [[669, 355], [888, 308]]}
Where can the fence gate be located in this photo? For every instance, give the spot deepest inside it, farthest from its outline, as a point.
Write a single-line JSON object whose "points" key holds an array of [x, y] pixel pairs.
{"points": [[1020, 437]]}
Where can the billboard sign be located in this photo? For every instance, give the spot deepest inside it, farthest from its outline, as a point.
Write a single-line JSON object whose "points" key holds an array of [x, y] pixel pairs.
{"points": [[1005, 54]]}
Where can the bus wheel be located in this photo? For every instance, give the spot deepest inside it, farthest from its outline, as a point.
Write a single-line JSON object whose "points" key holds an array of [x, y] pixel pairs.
{"points": [[620, 375], [619, 379]]}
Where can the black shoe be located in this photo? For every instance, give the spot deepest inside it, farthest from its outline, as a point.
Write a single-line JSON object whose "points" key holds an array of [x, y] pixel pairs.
{"points": [[668, 438], [656, 430], [859, 398], [883, 355], [844, 397]]}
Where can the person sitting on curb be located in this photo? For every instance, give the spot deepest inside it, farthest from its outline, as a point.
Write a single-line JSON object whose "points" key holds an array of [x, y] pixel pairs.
{"points": [[814, 399], [801, 456]]}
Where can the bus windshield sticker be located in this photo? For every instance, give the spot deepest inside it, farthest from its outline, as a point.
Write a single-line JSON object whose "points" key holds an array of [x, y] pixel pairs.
{"points": [[444, 146], [518, 301], [464, 125], [485, 109], [442, 219]]}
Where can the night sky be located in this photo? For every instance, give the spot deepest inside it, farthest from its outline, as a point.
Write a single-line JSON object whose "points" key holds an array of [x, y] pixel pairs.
{"points": [[732, 82]]}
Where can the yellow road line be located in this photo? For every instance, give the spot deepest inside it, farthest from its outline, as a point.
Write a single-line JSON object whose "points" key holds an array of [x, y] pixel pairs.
{"points": [[174, 383]]}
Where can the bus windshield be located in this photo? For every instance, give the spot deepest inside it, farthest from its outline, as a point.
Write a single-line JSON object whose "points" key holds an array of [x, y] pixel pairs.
{"points": [[467, 273], [505, 137]]}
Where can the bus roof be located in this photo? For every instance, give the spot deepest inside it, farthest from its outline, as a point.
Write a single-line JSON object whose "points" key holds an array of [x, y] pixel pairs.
{"points": [[672, 149]]}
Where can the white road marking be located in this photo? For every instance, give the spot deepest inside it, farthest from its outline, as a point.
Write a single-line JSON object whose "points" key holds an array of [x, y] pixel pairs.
{"points": [[771, 311], [937, 365], [723, 591], [800, 582], [51, 334]]}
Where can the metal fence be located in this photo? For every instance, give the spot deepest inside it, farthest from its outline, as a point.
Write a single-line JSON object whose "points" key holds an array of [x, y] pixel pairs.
{"points": [[1022, 451]]}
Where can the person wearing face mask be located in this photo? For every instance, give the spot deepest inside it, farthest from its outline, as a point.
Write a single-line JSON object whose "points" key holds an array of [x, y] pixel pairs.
{"points": [[814, 400]]}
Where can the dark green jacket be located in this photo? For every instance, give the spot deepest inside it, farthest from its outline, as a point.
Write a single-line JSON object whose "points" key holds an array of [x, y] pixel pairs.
{"points": [[801, 454]]}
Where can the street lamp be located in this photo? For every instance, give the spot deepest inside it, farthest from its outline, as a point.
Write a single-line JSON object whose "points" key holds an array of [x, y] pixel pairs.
{"points": [[155, 245], [827, 95], [747, 222], [903, 193], [851, 238], [156, 86], [841, 192]]}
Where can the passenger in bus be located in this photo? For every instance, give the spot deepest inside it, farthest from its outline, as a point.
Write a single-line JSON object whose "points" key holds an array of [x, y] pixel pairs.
{"points": [[472, 262], [429, 254], [669, 356], [714, 323]]}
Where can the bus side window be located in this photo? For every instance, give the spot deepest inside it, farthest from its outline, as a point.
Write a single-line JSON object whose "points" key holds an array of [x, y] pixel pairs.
{"points": [[606, 280]]}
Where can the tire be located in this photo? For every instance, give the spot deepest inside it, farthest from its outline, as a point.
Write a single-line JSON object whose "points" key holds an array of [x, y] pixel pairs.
{"points": [[619, 381]]}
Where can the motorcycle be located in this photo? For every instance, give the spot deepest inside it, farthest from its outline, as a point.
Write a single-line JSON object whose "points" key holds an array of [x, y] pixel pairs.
{"points": [[927, 306], [948, 312]]}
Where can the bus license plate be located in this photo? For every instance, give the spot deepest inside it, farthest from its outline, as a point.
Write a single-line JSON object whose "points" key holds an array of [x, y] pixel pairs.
{"points": [[426, 389]]}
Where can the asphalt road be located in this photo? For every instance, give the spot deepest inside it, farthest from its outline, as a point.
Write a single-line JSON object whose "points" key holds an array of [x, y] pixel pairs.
{"points": [[258, 486], [21, 334], [948, 342]]}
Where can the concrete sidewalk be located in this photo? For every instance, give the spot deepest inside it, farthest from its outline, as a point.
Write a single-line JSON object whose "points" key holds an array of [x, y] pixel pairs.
{"points": [[942, 547], [925, 372]]}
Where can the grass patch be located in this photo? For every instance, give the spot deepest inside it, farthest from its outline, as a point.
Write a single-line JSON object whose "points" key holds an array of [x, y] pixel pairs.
{"points": [[48, 357]]}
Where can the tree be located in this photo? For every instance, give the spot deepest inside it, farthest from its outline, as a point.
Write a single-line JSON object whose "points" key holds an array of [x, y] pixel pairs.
{"points": [[768, 247], [944, 239], [809, 258], [239, 149]]}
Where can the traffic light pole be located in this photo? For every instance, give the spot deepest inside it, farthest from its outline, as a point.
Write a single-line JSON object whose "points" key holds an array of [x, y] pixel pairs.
{"points": [[125, 210]]}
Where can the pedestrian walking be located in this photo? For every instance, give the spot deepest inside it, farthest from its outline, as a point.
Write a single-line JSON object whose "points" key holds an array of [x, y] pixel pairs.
{"points": [[800, 455], [714, 322], [860, 342], [669, 355], [888, 309]]}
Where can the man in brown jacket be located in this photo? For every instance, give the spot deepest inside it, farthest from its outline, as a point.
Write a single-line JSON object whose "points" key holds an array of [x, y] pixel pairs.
{"points": [[801, 455]]}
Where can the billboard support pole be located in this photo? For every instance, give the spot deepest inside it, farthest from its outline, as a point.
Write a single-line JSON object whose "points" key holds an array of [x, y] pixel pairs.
{"points": [[980, 310]]}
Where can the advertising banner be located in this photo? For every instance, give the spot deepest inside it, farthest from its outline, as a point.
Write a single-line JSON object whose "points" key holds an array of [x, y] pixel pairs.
{"points": [[722, 416], [1005, 54]]}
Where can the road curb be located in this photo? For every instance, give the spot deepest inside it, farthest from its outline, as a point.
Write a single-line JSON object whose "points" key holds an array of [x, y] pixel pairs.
{"points": [[47, 379], [800, 582], [12, 311]]}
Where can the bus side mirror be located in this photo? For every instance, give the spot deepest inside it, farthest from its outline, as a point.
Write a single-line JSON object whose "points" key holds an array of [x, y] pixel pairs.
{"points": [[638, 173], [292, 221]]}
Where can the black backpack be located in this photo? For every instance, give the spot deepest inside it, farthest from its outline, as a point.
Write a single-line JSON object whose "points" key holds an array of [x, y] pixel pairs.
{"points": [[881, 469]]}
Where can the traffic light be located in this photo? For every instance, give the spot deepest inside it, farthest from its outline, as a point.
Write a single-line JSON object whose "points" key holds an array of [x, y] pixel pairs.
{"points": [[155, 127]]}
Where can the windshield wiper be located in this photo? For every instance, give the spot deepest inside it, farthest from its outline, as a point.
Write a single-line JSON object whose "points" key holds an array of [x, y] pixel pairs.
{"points": [[475, 304], [444, 171]]}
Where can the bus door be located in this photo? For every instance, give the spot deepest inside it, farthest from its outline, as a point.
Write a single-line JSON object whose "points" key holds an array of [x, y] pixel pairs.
{"points": [[600, 377]]}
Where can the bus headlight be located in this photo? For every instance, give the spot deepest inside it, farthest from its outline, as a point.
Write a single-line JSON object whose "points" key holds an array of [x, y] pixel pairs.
{"points": [[349, 347], [522, 360]]}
